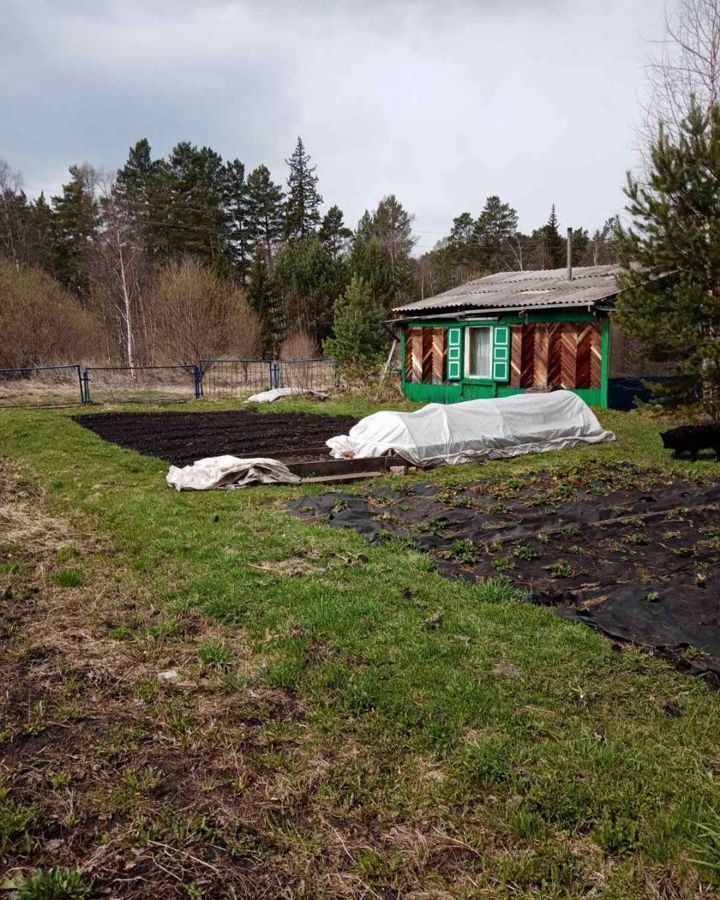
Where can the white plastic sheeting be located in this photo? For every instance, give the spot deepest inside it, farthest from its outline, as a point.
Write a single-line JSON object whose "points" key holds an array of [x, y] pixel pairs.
{"points": [[476, 429], [229, 472], [279, 393]]}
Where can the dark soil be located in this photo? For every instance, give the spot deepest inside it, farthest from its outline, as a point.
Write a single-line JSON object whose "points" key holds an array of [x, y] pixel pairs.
{"points": [[181, 438], [632, 553]]}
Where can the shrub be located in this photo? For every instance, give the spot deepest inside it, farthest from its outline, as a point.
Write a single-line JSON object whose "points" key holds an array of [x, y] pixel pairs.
{"points": [[40, 322], [200, 315]]}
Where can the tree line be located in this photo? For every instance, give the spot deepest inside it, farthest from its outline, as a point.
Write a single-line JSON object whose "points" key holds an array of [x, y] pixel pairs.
{"points": [[491, 242], [190, 253], [136, 252]]}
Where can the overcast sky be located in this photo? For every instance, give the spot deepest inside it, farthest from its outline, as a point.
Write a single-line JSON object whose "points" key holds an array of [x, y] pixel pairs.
{"points": [[442, 102]]}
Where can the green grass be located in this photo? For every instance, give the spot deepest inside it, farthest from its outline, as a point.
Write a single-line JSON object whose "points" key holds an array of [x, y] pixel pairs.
{"points": [[552, 756], [56, 883]]}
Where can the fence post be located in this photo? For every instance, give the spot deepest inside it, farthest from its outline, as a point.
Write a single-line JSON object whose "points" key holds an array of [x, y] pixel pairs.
{"points": [[80, 383], [274, 375], [198, 382], [85, 387]]}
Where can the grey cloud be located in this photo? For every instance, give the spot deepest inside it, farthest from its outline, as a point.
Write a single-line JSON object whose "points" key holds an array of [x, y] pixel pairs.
{"points": [[442, 103]]}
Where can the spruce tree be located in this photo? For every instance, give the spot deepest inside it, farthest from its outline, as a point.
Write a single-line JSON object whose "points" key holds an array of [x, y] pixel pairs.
{"points": [[302, 211], [670, 257], [265, 214], [360, 340], [41, 221], [549, 252]]}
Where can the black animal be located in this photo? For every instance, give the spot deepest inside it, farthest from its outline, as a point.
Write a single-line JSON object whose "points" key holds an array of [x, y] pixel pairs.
{"points": [[692, 439]]}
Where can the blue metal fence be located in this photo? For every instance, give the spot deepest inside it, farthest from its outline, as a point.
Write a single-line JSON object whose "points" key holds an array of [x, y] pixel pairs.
{"points": [[211, 378], [140, 384], [235, 378]]}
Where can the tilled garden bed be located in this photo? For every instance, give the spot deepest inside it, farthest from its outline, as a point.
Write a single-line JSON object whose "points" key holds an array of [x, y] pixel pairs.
{"points": [[633, 553], [181, 438]]}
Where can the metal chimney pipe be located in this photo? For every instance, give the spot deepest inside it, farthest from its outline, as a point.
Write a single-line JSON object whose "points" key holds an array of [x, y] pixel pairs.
{"points": [[569, 254]]}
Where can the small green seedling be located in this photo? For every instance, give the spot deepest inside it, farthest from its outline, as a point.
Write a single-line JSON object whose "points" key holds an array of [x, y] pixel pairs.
{"points": [[524, 551], [559, 569]]}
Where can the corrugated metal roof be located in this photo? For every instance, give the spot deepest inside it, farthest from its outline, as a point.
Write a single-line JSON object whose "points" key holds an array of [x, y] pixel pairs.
{"points": [[538, 288]]}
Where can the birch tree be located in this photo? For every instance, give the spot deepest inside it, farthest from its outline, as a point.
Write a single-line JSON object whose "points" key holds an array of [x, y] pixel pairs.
{"points": [[685, 66], [119, 273]]}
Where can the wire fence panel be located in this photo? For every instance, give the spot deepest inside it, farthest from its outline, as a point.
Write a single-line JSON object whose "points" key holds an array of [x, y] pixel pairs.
{"points": [[38, 386], [234, 378], [140, 384], [212, 378], [308, 374]]}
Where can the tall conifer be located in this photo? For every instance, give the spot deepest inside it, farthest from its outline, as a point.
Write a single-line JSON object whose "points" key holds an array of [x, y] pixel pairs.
{"points": [[302, 211]]}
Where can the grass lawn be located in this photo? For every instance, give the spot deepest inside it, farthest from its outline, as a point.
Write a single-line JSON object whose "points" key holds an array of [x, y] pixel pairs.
{"points": [[205, 697]]}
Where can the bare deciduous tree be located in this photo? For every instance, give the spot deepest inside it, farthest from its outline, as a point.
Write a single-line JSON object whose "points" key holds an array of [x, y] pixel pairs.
{"points": [[119, 277], [298, 345], [202, 316], [12, 204], [686, 65]]}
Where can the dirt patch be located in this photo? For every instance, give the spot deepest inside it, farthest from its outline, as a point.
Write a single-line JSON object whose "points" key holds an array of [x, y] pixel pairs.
{"points": [[147, 752], [182, 438], [105, 766], [632, 553]]}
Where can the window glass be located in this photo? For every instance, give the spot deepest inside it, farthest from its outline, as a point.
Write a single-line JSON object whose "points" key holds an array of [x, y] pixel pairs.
{"points": [[479, 353]]}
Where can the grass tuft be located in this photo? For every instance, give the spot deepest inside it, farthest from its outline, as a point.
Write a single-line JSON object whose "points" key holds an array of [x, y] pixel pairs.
{"points": [[57, 883]]}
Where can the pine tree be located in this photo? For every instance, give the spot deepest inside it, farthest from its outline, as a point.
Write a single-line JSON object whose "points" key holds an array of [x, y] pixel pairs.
{"points": [[493, 230], [367, 261], [670, 257], [75, 222], [360, 341], [193, 217], [235, 200], [309, 281], [462, 232], [134, 183], [263, 298], [334, 234], [302, 211], [381, 252], [265, 215], [392, 226]]}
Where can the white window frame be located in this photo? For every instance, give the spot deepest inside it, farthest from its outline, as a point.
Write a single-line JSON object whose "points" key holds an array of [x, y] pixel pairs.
{"points": [[489, 375]]}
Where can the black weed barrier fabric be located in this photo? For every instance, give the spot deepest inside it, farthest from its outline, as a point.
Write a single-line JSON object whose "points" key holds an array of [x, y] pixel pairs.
{"points": [[633, 553]]}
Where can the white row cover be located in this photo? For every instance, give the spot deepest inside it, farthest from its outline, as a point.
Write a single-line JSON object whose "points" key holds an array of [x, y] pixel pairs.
{"points": [[477, 429], [229, 472], [279, 393]]}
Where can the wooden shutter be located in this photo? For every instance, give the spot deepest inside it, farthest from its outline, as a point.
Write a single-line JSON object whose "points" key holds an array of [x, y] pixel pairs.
{"points": [[501, 353], [413, 354], [438, 355], [516, 343], [454, 346]]}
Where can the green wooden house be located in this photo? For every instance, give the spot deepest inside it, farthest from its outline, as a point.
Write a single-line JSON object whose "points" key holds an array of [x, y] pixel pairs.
{"points": [[512, 331]]}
